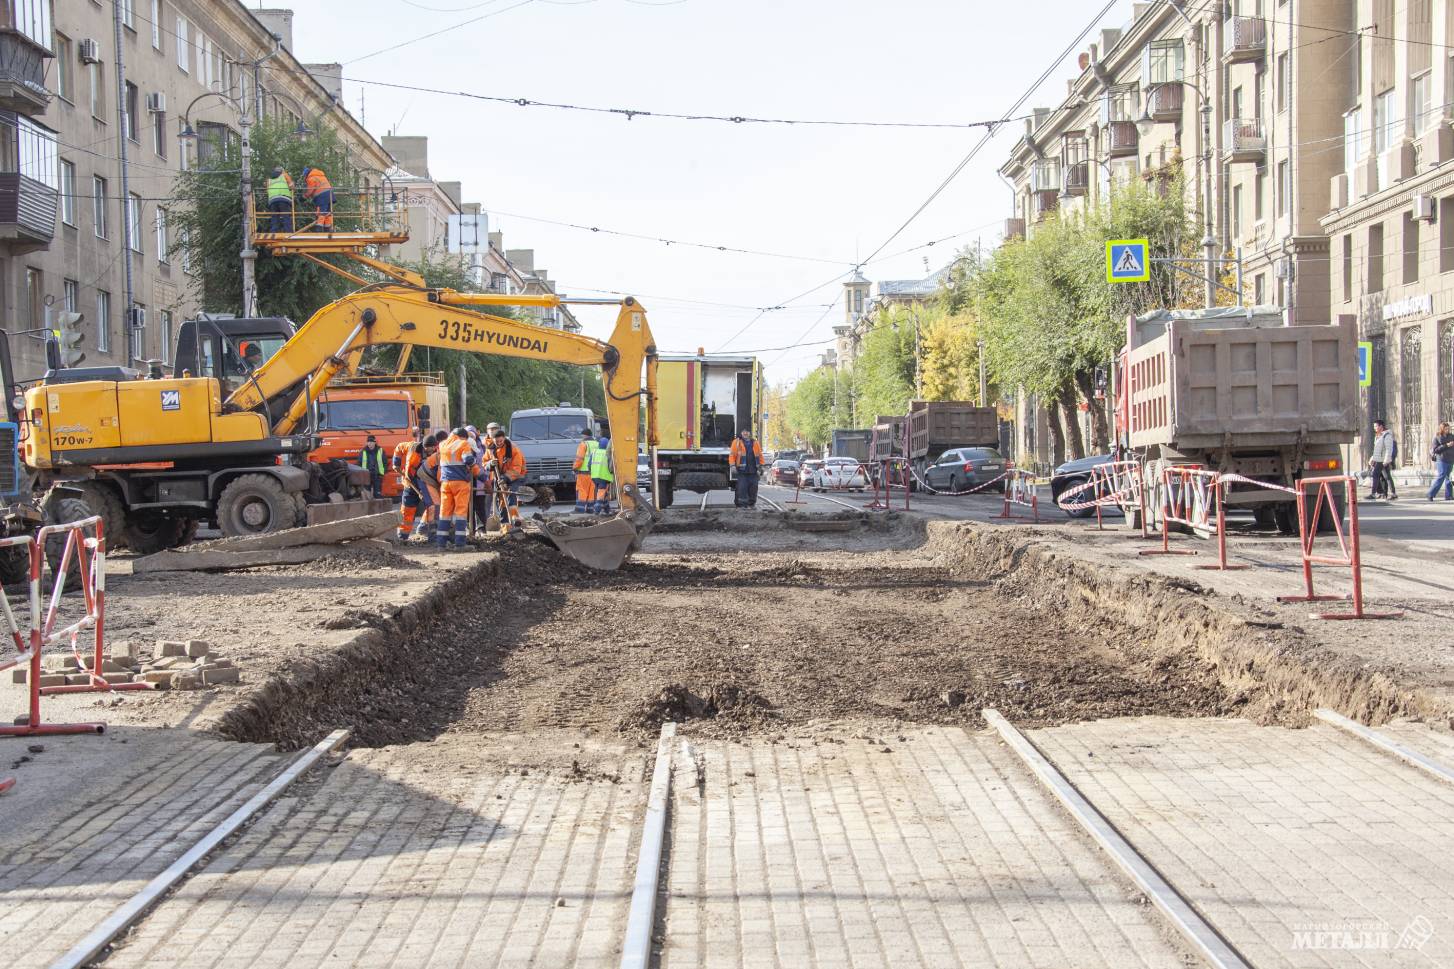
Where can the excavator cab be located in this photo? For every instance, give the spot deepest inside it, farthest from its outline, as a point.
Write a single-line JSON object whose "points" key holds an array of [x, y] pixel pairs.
{"points": [[229, 348]]}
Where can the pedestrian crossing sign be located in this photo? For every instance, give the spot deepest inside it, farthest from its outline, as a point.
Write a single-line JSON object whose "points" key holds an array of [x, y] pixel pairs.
{"points": [[1128, 261], [1365, 363]]}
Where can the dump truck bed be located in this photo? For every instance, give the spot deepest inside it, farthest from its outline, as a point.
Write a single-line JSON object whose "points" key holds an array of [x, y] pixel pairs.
{"points": [[1201, 380], [935, 426]]}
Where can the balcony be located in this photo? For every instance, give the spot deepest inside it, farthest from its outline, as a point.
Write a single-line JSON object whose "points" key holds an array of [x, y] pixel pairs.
{"points": [[1246, 39], [1014, 229], [1243, 140], [1077, 178], [1165, 102], [1121, 138], [1046, 201], [27, 214], [22, 70]]}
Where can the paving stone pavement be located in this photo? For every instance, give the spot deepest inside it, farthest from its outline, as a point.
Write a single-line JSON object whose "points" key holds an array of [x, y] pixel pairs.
{"points": [[93, 819], [940, 851], [1304, 848], [411, 857]]}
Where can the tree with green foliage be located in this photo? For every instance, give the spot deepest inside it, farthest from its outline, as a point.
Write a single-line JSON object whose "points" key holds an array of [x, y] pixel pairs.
{"points": [[209, 221]]}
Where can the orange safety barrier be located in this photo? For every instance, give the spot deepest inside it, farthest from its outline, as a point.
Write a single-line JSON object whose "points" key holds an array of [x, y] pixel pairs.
{"points": [[1347, 544], [6, 784], [886, 479], [1020, 489], [1194, 497], [89, 554]]}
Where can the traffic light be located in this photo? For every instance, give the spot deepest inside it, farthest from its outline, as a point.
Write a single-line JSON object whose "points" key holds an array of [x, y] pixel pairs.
{"points": [[69, 337]]}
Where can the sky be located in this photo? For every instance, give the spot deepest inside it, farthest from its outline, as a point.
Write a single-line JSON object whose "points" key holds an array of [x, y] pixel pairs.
{"points": [[815, 199]]}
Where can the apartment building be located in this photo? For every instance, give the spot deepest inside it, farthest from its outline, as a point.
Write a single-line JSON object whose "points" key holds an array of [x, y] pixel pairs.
{"points": [[1244, 99], [1392, 220], [86, 231]]}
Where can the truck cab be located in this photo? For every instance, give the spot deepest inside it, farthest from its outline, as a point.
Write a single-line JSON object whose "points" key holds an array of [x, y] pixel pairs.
{"points": [[548, 437], [393, 408]]}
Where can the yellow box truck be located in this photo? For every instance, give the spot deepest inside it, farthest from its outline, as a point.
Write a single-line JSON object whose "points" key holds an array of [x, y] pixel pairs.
{"points": [[704, 401]]}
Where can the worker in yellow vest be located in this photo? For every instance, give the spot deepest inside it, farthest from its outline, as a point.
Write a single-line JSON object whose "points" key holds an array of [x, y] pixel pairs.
{"points": [[601, 477], [585, 490], [280, 201]]}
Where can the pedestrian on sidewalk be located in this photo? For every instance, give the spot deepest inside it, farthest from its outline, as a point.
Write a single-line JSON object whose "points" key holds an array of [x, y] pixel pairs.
{"points": [[1443, 455], [745, 458], [1380, 462], [371, 459]]}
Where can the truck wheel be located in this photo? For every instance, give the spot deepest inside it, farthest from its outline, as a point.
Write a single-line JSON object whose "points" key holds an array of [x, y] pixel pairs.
{"points": [[148, 533], [300, 504], [255, 504], [104, 500], [702, 481], [1285, 515], [1262, 516]]}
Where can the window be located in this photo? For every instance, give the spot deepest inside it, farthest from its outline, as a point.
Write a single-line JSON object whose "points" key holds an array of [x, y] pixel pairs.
{"points": [[1258, 182], [128, 13], [1237, 102], [1165, 62], [184, 242], [133, 222], [98, 205], [1446, 234], [212, 143], [137, 334], [1283, 79], [129, 119], [1348, 268], [28, 149], [159, 133], [1385, 124], [1353, 146], [1259, 289], [98, 90], [1120, 105], [156, 24], [166, 335], [163, 249], [1259, 94], [383, 415], [103, 320], [1420, 89], [34, 299], [71, 294], [1284, 188], [1237, 212], [30, 19], [1375, 258], [1411, 248], [65, 68], [184, 47], [68, 192], [204, 60]]}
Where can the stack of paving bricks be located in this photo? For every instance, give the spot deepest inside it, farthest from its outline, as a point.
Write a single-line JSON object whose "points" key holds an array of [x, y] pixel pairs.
{"points": [[174, 664]]}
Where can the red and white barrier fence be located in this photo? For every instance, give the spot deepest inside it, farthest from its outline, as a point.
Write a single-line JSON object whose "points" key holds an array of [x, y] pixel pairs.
{"points": [[47, 628], [1197, 498], [1348, 544], [886, 478], [1020, 489]]}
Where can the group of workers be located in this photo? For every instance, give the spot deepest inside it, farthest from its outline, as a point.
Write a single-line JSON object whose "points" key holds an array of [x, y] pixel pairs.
{"points": [[454, 479], [281, 206]]}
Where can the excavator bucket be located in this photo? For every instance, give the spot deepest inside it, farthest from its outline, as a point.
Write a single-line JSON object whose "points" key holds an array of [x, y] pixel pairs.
{"points": [[606, 544]]}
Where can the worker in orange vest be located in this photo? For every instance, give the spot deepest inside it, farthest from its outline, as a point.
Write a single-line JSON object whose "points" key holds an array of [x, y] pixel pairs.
{"points": [[745, 459], [507, 465], [409, 462], [319, 190], [457, 469], [585, 489]]}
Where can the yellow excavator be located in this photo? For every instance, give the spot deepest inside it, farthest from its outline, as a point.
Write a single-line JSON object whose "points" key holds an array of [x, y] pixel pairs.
{"points": [[226, 441]]}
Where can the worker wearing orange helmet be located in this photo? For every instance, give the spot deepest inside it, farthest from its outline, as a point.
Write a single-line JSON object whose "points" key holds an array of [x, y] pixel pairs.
{"points": [[457, 470], [319, 190]]}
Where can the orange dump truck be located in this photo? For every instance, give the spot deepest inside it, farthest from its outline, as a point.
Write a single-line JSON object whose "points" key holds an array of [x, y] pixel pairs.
{"points": [[391, 408]]}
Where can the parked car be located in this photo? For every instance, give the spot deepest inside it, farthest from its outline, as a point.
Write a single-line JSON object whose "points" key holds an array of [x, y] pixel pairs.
{"points": [[783, 473], [1078, 472], [808, 472], [840, 473], [960, 469]]}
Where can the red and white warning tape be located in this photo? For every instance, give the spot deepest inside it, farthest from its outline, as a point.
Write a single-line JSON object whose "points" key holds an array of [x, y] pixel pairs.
{"points": [[954, 494]]}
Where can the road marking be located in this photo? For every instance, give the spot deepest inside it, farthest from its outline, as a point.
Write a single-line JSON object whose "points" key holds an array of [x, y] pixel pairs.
{"points": [[636, 949], [1387, 743], [118, 921], [1203, 937]]}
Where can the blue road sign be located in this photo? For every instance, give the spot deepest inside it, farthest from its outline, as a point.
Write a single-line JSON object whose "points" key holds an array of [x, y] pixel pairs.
{"points": [[1365, 363], [1128, 261]]}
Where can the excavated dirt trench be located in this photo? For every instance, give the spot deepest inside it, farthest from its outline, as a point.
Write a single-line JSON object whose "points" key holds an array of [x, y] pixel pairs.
{"points": [[730, 643]]}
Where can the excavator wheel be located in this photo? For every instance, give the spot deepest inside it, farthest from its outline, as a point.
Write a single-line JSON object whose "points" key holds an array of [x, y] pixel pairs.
{"points": [[255, 504], [103, 500], [149, 533], [58, 511]]}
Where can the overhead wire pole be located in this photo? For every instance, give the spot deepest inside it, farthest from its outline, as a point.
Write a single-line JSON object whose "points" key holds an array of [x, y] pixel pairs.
{"points": [[127, 241]]}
